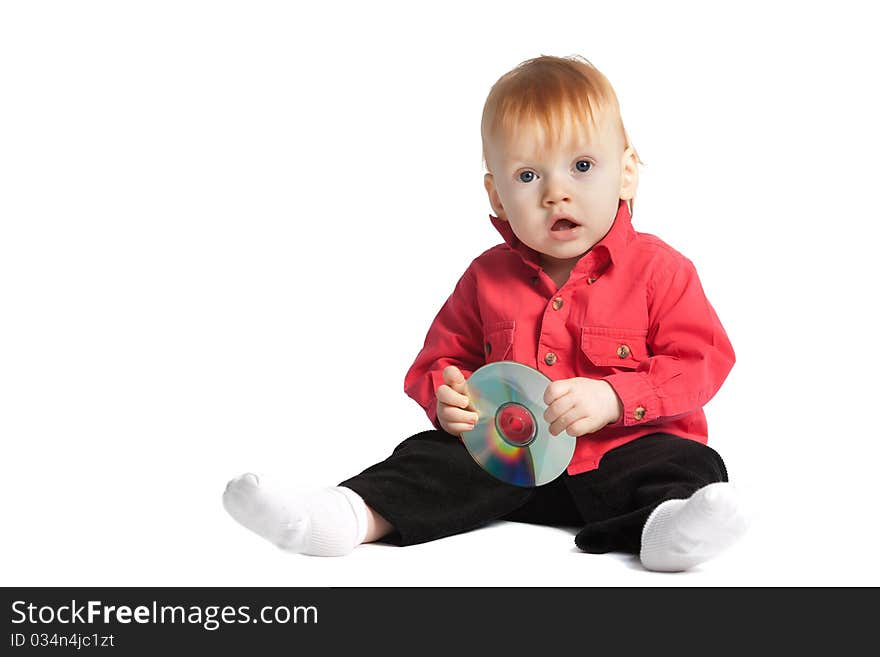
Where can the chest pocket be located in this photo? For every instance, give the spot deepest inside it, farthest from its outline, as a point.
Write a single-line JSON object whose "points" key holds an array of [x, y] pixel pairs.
{"points": [[498, 341], [614, 347]]}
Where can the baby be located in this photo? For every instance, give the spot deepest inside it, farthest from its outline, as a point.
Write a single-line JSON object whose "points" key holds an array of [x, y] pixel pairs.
{"points": [[616, 319]]}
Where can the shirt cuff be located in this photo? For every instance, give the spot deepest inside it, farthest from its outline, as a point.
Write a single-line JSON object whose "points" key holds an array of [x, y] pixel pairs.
{"points": [[431, 409], [640, 402]]}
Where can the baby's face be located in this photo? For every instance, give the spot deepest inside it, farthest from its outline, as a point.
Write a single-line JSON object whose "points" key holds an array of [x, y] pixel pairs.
{"points": [[581, 178]]}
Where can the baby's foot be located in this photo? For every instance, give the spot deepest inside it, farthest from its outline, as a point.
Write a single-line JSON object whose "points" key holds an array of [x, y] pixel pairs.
{"points": [[326, 522], [265, 513], [680, 534]]}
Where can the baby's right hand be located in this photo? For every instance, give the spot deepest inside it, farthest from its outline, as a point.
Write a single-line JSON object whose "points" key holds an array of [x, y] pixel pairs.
{"points": [[455, 412]]}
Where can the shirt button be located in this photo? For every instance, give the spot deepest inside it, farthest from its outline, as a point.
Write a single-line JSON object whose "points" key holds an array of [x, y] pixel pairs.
{"points": [[557, 303], [591, 280], [550, 358], [488, 349], [623, 351], [639, 413]]}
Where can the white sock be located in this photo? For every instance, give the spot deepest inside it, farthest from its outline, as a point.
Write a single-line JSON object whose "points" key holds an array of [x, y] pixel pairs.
{"points": [[679, 534], [328, 522]]}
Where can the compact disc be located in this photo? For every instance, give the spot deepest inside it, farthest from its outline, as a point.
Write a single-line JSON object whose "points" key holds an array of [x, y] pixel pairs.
{"points": [[511, 439]]}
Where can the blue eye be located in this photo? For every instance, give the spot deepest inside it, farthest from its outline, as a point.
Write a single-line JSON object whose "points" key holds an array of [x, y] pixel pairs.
{"points": [[584, 169], [531, 175]]}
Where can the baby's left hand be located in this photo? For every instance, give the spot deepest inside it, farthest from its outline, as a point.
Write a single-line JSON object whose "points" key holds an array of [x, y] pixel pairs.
{"points": [[579, 405]]}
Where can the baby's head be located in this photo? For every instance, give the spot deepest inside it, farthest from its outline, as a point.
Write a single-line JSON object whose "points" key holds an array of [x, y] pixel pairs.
{"points": [[554, 144]]}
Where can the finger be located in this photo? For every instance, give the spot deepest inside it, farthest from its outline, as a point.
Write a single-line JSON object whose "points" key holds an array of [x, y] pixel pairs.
{"points": [[456, 429], [453, 414], [571, 414], [452, 376], [559, 408], [555, 390], [455, 379], [447, 395], [583, 426]]}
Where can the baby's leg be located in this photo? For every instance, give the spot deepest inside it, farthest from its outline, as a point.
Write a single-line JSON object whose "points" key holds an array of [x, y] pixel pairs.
{"points": [[428, 488], [664, 498], [325, 522]]}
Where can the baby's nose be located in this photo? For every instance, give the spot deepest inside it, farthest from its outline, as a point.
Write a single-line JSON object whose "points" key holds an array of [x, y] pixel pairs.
{"points": [[556, 193]]}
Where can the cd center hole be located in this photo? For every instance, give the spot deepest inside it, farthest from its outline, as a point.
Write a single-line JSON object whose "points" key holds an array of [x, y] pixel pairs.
{"points": [[516, 424]]}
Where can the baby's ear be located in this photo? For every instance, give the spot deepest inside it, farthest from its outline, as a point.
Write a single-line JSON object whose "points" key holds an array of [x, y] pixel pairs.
{"points": [[629, 174], [494, 199]]}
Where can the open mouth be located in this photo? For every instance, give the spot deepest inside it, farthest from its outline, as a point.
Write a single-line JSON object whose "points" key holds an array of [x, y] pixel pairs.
{"points": [[563, 224]]}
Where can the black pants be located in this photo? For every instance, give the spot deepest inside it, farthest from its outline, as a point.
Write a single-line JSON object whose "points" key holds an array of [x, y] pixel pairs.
{"points": [[430, 487]]}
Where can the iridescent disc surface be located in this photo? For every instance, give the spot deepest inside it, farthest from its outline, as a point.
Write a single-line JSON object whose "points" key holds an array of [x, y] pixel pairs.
{"points": [[511, 439]]}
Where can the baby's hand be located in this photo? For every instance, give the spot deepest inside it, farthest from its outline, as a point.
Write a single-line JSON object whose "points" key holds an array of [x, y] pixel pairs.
{"points": [[455, 412], [580, 405]]}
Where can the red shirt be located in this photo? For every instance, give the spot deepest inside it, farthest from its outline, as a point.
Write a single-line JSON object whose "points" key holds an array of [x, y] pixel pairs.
{"points": [[632, 313]]}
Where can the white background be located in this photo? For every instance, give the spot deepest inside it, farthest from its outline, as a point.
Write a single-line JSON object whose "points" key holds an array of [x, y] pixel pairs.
{"points": [[225, 228]]}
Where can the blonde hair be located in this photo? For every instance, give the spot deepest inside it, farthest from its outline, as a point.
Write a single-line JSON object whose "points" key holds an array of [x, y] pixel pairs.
{"points": [[551, 93]]}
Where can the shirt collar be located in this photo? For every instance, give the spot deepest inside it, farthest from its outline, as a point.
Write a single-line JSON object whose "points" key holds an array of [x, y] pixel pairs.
{"points": [[608, 249]]}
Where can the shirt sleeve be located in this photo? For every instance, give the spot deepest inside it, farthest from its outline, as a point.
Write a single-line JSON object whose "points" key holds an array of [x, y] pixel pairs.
{"points": [[691, 354], [455, 337]]}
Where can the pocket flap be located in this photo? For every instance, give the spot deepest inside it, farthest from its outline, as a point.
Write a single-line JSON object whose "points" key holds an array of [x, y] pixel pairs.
{"points": [[499, 341], [614, 347]]}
